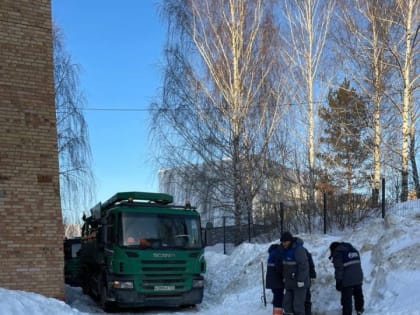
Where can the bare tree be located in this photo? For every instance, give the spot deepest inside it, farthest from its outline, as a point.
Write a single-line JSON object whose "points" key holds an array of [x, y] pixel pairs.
{"points": [[76, 179], [362, 42], [307, 24], [404, 47], [220, 104], [72, 230]]}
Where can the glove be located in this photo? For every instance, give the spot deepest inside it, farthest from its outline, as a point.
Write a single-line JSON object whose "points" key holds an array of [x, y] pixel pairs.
{"points": [[338, 285], [300, 284]]}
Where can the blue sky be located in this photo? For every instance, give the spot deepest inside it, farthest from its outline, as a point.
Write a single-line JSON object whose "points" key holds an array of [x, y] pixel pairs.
{"points": [[119, 46]]}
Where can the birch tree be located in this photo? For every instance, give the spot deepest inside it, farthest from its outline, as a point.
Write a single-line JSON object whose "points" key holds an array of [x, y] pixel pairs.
{"points": [[220, 102], [362, 42], [307, 25], [404, 47], [75, 171]]}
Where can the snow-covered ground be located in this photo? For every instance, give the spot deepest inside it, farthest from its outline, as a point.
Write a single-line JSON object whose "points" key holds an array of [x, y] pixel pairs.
{"points": [[389, 248]]}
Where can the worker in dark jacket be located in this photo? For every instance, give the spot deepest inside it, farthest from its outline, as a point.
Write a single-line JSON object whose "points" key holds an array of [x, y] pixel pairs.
{"points": [[312, 275], [295, 274], [274, 278], [348, 276]]}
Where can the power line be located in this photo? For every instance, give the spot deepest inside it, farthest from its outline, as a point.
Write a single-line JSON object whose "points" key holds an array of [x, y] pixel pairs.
{"points": [[115, 109]]}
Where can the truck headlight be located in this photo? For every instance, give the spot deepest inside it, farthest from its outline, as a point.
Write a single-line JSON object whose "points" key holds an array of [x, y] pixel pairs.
{"points": [[123, 284], [198, 283]]}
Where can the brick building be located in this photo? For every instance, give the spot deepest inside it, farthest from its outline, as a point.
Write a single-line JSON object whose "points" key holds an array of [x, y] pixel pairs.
{"points": [[31, 230]]}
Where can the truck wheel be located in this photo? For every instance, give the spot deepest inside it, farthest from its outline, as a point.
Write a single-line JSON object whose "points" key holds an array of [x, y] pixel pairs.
{"points": [[85, 289], [107, 306]]}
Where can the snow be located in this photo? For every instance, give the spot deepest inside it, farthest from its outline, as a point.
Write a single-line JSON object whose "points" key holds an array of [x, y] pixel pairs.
{"points": [[389, 249]]}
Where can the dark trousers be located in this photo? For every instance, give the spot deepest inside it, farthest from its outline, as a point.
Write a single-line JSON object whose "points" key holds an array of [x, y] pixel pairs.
{"points": [[347, 295], [308, 303], [294, 301], [278, 297]]}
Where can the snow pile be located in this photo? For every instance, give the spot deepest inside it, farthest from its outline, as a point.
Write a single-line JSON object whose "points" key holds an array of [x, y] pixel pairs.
{"points": [[389, 249], [20, 303]]}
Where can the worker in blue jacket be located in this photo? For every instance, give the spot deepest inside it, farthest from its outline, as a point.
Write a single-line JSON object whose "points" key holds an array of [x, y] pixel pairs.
{"points": [[274, 278], [348, 276]]}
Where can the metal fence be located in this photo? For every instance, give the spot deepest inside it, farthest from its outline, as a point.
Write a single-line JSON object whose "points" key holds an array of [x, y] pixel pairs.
{"points": [[327, 216]]}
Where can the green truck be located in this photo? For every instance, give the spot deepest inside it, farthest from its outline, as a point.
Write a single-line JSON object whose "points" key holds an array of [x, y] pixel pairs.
{"points": [[72, 261], [138, 249]]}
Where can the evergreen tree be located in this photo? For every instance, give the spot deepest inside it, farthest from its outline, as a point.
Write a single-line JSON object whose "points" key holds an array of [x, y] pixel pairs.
{"points": [[345, 138]]}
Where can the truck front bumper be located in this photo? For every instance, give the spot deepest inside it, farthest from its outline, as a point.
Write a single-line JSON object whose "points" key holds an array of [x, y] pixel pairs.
{"points": [[131, 298]]}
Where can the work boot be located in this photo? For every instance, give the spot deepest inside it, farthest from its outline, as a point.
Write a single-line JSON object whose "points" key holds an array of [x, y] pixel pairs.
{"points": [[277, 311]]}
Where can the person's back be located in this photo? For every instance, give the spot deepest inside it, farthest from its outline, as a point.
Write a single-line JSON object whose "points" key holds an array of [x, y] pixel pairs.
{"points": [[348, 276], [347, 264]]}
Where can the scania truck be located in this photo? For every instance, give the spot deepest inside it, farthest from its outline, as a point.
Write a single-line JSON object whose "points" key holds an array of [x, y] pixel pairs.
{"points": [[138, 249]]}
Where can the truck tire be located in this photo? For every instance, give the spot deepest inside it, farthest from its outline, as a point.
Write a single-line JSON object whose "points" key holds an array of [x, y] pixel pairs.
{"points": [[107, 306], [85, 286], [85, 289]]}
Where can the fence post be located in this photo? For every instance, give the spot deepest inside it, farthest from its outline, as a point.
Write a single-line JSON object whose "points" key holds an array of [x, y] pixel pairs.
{"points": [[325, 213], [249, 226], [224, 235], [383, 198], [281, 217]]}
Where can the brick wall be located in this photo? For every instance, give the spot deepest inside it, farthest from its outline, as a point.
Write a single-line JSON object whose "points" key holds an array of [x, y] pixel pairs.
{"points": [[31, 232]]}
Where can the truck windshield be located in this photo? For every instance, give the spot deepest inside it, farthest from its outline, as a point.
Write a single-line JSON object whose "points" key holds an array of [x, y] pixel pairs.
{"points": [[160, 231]]}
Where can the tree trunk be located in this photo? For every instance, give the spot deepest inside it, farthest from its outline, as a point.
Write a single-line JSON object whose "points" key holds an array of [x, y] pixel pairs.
{"points": [[237, 190], [414, 164], [377, 118], [406, 101]]}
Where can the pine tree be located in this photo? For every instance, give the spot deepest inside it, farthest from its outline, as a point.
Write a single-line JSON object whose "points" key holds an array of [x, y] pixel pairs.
{"points": [[345, 139]]}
